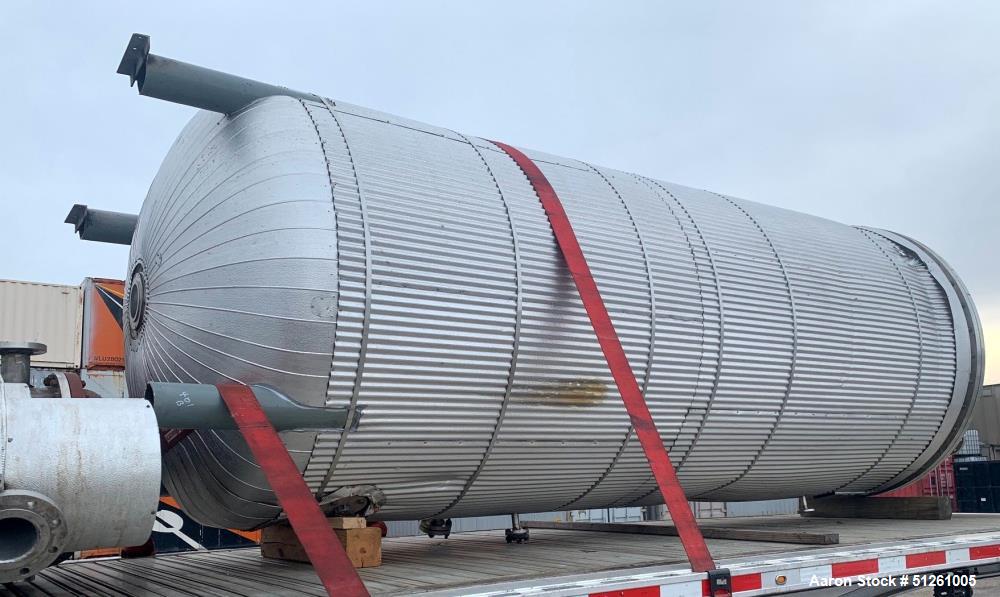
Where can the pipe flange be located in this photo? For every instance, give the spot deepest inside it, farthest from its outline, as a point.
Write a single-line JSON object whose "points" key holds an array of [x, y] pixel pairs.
{"points": [[135, 300], [30, 348], [32, 534]]}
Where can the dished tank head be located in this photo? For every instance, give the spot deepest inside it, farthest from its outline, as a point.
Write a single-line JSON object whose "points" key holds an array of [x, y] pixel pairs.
{"points": [[352, 258]]}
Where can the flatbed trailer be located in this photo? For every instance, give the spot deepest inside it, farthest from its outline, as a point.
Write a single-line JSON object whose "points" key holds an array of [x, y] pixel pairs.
{"points": [[563, 562]]}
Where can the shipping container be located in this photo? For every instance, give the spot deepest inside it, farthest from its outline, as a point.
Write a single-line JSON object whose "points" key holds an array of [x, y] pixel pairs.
{"points": [[103, 341], [106, 383], [977, 486], [48, 313], [762, 508], [985, 422], [939, 482]]}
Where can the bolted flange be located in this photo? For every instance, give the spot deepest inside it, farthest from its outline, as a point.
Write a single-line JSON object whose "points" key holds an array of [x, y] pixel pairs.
{"points": [[32, 534]]}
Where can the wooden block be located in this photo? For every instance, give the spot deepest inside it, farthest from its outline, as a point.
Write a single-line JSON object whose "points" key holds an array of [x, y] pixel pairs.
{"points": [[363, 545], [906, 508], [347, 522], [103, 552], [283, 533], [278, 533]]}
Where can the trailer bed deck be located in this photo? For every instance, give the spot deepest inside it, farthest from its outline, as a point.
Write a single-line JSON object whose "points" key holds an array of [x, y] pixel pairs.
{"points": [[481, 562]]}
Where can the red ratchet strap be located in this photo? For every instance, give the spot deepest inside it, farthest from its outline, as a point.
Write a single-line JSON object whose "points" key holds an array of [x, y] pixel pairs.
{"points": [[628, 387], [325, 552]]}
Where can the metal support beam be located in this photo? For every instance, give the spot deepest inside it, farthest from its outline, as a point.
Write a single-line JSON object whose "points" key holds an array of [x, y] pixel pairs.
{"points": [[102, 226], [183, 83]]}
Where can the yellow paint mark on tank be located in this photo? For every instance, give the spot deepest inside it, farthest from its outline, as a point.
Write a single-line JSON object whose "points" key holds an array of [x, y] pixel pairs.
{"points": [[571, 392]]}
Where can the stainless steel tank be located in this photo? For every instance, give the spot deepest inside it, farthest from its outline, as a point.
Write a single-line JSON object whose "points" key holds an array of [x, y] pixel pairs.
{"points": [[350, 257]]}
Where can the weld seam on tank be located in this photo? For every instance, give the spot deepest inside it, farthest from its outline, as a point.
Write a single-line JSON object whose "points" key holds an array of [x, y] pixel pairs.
{"points": [[338, 231], [659, 191], [518, 312], [366, 321], [795, 347], [920, 360], [650, 286]]}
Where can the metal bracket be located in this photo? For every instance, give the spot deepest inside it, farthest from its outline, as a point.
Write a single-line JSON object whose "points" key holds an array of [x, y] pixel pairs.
{"points": [[720, 582], [134, 60]]}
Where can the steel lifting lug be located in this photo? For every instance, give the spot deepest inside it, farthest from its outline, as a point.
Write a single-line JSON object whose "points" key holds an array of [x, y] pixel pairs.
{"points": [[720, 583]]}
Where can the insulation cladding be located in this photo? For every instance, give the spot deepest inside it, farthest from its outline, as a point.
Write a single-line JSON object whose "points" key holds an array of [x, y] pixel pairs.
{"points": [[353, 258]]}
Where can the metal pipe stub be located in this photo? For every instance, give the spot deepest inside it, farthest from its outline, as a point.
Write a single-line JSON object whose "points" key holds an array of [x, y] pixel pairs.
{"points": [[15, 360], [33, 533], [191, 85], [102, 226], [200, 406]]}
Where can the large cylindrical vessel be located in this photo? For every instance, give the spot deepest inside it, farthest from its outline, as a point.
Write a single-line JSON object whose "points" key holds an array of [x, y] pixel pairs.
{"points": [[353, 258]]}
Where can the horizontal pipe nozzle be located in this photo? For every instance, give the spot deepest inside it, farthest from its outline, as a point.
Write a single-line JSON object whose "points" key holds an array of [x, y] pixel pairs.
{"points": [[191, 85], [102, 226], [200, 406]]}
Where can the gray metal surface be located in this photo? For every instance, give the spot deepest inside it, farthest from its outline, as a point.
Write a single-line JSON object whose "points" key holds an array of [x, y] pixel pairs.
{"points": [[102, 226], [348, 257], [84, 473], [15, 360]]}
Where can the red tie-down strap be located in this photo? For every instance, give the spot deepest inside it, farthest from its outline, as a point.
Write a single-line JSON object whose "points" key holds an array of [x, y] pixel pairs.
{"points": [[628, 387], [325, 552]]}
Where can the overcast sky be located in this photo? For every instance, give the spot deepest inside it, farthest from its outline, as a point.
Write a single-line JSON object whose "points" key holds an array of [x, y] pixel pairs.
{"points": [[875, 113]]}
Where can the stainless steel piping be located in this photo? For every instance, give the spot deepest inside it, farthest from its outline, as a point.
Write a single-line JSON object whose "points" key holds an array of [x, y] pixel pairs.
{"points": [[15, 360]]}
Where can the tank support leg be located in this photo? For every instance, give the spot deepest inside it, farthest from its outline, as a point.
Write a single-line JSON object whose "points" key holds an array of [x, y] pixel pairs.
{"points": [[516, 533]]}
